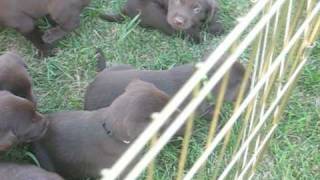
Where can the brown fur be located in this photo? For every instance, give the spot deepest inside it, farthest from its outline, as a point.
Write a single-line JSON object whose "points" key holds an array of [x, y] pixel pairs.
{"points": [[111, 82], [19, 121], [171, 16], [82, 143], [21, 15], [10, 171], [14, 76]]}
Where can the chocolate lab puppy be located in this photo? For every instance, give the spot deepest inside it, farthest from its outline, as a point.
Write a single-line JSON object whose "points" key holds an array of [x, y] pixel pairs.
{"points": [[82, 143], [14, 76], [19, 121], [172, 16], [22, 14], [110, 83], [11, 171]]}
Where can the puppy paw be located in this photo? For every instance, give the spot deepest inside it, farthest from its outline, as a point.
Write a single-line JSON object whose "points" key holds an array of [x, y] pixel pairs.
{"points": [[195, 39], [46, 51], [52, 35], [43, 54], [112, 17], [216, 29]]}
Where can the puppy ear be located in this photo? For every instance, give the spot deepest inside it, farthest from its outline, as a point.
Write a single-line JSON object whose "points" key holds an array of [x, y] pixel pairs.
{"points": [[213, 8], [214, 26], [137, 84], [236, 78]]}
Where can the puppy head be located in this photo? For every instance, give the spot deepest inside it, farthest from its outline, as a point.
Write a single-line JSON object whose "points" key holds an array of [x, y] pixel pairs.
{"points": [[132, 110], [14, 76], [19, 121], [236, 77], [183, 14]]}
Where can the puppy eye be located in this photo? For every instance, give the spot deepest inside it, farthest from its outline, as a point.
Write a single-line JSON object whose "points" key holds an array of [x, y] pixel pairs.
{"points": [[196, 8], [108, 131]]}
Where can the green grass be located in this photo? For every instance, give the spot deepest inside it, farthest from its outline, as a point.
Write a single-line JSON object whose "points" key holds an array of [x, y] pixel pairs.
{"points": [[60, 82]]}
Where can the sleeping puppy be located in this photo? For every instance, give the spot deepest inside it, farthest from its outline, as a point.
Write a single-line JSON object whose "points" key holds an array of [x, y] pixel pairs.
{"points": [[172, 16], [82, 143], [111, 82], [11, 171], [19, 121], [22, 14], [14, 76]]}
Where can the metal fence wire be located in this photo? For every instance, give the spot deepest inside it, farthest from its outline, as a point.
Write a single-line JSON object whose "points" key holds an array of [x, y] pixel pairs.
{"points": [[274, 40]]}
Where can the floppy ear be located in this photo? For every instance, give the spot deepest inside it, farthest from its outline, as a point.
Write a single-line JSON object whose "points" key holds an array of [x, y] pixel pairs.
{"points": [[215, 27], [148, 99], [7, 139], [14, 55]]}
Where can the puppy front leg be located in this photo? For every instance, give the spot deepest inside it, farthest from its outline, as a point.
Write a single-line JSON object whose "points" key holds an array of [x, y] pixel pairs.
{"points": [[194, 34], [26, 26], [35, 37], [65, 25], [216, 28]]}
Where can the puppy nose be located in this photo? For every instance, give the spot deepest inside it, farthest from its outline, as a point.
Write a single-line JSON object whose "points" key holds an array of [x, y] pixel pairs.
{"points": [[179, 21]]}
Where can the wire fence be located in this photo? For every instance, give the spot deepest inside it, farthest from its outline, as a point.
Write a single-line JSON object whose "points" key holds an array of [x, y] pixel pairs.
{"points": [[274, 39]]}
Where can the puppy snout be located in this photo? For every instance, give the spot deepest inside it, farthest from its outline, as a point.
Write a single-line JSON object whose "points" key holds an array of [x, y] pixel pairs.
{"points": [[179, 21]]}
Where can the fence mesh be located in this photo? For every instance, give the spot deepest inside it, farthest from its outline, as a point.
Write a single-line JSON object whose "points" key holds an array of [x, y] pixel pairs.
{"points": [[274, 40]]}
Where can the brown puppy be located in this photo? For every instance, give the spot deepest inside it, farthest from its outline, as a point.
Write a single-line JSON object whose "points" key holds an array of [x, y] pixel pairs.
{"points": [[171, 16], [21, 15], [110, 83], [19, 121], [82, 143], [10, 171], [14, 76]]}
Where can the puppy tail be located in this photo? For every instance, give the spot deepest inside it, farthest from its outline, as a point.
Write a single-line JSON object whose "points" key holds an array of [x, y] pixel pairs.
{"points": [[101, 60], [112, 17]]}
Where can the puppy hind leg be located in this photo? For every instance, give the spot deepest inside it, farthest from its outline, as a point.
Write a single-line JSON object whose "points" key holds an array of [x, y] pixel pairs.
{"points": [[102, 63]]}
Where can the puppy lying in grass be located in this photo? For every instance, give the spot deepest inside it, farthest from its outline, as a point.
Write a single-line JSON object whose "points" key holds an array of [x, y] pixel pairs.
{"points": [[11, 171], [22, 14], [172, 16], [14, 76], [81, 143], [19, 121], [111, 82]]}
